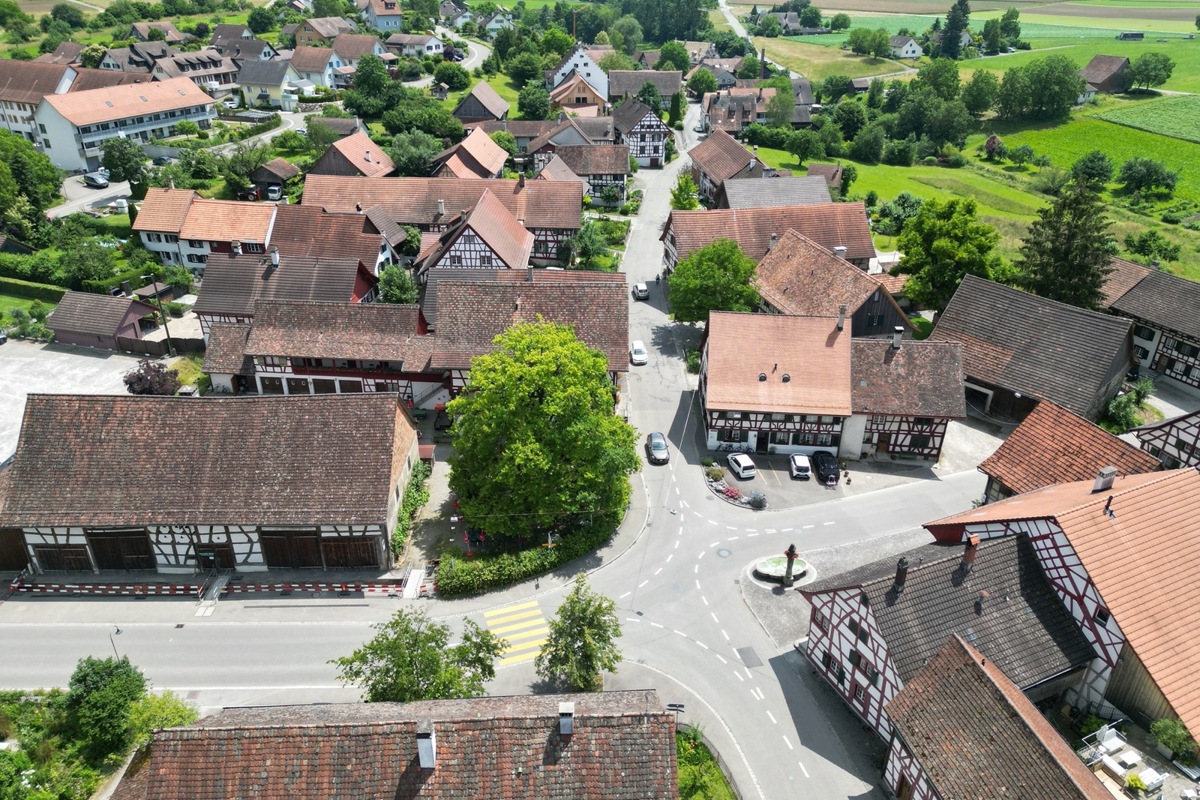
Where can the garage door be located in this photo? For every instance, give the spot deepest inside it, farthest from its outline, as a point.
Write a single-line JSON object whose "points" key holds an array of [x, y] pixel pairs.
{"points": [[63, 558], [12, 551], [351, 552], [122, 550], [283, 550]]}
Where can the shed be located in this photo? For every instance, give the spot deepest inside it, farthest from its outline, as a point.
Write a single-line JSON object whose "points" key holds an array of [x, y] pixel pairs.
{"points": [[97, 320]]}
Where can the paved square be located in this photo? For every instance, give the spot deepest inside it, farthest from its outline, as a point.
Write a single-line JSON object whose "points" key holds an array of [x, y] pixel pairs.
{"points": [[27, 368]]}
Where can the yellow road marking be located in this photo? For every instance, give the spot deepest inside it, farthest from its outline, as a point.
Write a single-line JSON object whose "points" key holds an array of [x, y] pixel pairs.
{"points": [[510, 609]]}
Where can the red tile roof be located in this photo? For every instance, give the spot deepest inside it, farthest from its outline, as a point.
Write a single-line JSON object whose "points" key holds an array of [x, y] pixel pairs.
{"points": [[311, 59], [1052, 445], [225, 353], [799, 276], [828, 224], [1124, 276], [917, 379], [720, 156], [481, 157], [595, 159], [128, 100], [970, 727], [364, 155], [360, 331], [164, 210]]}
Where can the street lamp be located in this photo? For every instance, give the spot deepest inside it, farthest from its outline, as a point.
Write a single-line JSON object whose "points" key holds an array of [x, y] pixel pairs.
{"points": [[114, 632], [161, 313], [678, 709]]}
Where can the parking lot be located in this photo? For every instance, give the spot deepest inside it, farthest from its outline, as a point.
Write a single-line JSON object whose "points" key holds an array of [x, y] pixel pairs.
{"points": [[27, 368]]}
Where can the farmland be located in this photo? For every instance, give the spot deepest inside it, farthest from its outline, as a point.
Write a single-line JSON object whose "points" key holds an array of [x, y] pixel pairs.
{"points": [[819, 62], [1177, 117]]}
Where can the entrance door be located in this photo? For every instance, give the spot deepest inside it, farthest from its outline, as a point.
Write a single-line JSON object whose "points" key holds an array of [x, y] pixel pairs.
{"points": [[12, 550], [216, 556], [300, 550], [905, 790], [124, 550], [885, 441], [762, 442]]}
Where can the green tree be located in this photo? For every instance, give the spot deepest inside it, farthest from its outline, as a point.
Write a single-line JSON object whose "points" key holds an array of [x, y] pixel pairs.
{"points": [[101, 694], [69, 14], [1150, 69], [328, 8], [781, 106], [373, 91], [260, 20], [186, 127], [717, 277], [582, 643], [1010, 25], [649, 96], [940, 75], [533, 102], [956, 23], [92, 55], [810, 17], [411, 658], [557, 41], [1147, 175], [1021, 155], [524, 68], [87, 260], [318, 136], [875, 94], [683, 195], [881, 43], [751, 68], [396, 285], [245, 158], [1094, 168], [153, 712], [702, 82], [536, 442], [453, 75], [1149, 244], [1066, 251], [506, 141], [804, 145], [769, 26], [991, 36], [290, 141], [631, 33], [178, 278], [839, 22], [1045, 88], [868, 144], [979, 94], [124, 159], [859, 40], [677, 110], [943, 242], [615, 59], [588, 245], [834, 87], [672, 56], [851, 117]]}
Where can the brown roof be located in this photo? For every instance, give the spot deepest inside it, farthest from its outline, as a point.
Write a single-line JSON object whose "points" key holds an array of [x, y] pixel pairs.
{"points": [[414, 201], [969, 726], [65, 53], [281, 168], [832, 173], [470, 314], [569, 89], [1101, 68], [720, 156], [353, 46], [127, 100], [557, 170], [28, 81], [83, 460], [454, 275], [225, 352], [751, 355], [232, 283], [476, 156], [309, 231], [329, 26], [1124, 276], [305, 329], [622, 82], [1052, 445], [86, 79], [496, 105], [778, 191], [595, 159], [169, 30], [799, 276], [227, 220], [1164, 300], [519, 128], [364, 155], [828, 224], [164, 210], [917, 379], [311, 59], [1144, 560], [102, 314], [622, 748]]}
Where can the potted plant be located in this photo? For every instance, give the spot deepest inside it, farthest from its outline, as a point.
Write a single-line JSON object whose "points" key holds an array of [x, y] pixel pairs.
{"points": [[1173, 740], [1134, 784]]}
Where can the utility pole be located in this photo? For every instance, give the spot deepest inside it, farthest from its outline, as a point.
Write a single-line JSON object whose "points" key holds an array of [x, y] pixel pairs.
{"points": [[161, 313]]}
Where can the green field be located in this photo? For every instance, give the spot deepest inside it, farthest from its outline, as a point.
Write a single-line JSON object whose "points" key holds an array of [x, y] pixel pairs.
{"points": [[1185, 53], [1177, 117], [819, 62]]}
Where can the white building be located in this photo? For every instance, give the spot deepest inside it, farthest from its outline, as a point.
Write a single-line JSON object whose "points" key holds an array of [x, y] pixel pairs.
{"points": [[579, 60], [383, 15]]}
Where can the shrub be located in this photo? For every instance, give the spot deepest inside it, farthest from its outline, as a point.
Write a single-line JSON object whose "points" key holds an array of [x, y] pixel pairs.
{"points": [[758, 501], [714, 473], [415, 496], [1121, 414], [1171, 734], [29, 290], [707, 462], [693, 361], [1142, 390]]}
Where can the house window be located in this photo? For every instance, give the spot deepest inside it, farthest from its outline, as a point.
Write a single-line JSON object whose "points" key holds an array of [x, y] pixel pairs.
{"points": [[860, 693], [733, 415], [864, 635], [826, 659], [819, 620], [862, 598], [873, 676], [1101, 617], [920, 441], [195, 244], [855, 658], [923, 422], [1189, 350], [780, 437], [841, 674], [456, 261], [731, 436], [485, 260], [853, 626], [1140, 352], [1142, 332]]}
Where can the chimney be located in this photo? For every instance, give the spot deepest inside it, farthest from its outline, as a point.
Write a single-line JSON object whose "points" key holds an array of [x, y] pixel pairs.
{"points": [[968, 559], [504, 124], [427, 747], [774, 241], [126, 289], [274, 255], [367, 156], [441, 208], [842, 317], [237, 247], [566, 719], [901, 575], [1104, 479], [839, 250], [358, 208], [521, 181], [897, 335], [171, 181]]}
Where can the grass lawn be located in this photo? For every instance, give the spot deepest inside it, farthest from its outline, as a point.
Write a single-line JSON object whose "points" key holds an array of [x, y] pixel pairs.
{"points": [[190, 369], [718, 21], [818, 62], [1177, 117], [8, 303], [700, 777], [505, 87]]}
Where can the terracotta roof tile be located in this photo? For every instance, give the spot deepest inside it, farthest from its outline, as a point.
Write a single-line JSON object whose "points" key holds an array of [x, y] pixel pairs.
{"points": [[1165, 300], [164, 210], [595, 159], [829, 225], [365, 155], [720, 156], [557, 170], [225, 352], [1052, 445], [228, 220], [353, 46], [128, 100], [309, 231], [798, 276], [85, 458], [809, 351], [66, 53], [482, 157], [232, 284], [969, 726], [330, 27], [281, 168], [918, 379], [453, 275], [628, 82], [1036, 346], [102, 314], [306, 329], [29, 81], [311, 59], [519, 128]]}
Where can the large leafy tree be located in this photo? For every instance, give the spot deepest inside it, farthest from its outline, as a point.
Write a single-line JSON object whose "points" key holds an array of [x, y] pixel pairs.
{"points": [[533, 102], [412, 152], [374, 91], [1094, 167], [1066, 252], [702, 82], [156, 711], [397, 286], [941, 244], [1150, 69], [124, 159], [683, 194], [1045, 88], [537, 444], [1147, 175], [940, 75], [582, 642], [101, 695], [673, 56], [717, 277], [410, 658], [979, 94]]}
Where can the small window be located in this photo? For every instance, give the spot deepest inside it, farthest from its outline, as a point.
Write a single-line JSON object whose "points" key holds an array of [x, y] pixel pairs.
{"points": [[855, 658], [1101, 617], [864, 635], [860, 692], [819, 621], [826, 659], [841, 674], [862, 598], [853, 626], [873, 676], [1142, 332]]}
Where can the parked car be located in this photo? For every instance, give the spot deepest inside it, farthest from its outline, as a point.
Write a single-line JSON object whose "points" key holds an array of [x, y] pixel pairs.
{"points": [[800, 467], [641, 291], [302, 131], [95, 180], [252, 194], [638, 354], [742, 465], [826, 467], [161, 161], [274, 192], [657, 451], [231, 103]]}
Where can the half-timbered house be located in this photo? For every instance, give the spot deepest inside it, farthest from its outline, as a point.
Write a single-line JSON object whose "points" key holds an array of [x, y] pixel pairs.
{"points": [[1121, 553], [873, 628], [275, 482], [961, 728], [721, 158], [1175, 442], [487, 236], [643, 130], [601, 165], [550, 210], [1052, 445]]}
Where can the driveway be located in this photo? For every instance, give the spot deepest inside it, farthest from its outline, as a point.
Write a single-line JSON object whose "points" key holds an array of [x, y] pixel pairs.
{"points": [[27, 369]]}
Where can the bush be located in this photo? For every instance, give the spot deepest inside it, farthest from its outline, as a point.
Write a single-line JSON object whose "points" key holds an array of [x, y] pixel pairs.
{"points": [[31, 291], [415, 496], [1171, 734], [714, 473], [693, 361], [707, 461], [1121, 414]]}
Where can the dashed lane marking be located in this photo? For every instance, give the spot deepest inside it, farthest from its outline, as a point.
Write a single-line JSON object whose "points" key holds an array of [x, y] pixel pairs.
{"points": [[772, 718], [801, 763], [789, 744]]}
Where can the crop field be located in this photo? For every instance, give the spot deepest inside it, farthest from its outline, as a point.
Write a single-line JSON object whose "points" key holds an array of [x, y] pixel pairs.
{"points": [[1177, 117], [819, 62]]}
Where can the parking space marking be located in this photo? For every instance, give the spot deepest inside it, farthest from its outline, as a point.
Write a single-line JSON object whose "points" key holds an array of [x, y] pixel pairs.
{"points": [[732, 539], [726, 635], [670, 556], [738, 675], [705, 599], [714, 616], [712, 522], [660, 569], [643, 583], [622, 597], [720, 658], [655, 625]]}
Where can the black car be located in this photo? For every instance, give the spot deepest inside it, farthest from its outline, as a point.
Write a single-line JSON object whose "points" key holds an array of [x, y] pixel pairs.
{"points": [[161, 161], [826, 467], [442, 421]]}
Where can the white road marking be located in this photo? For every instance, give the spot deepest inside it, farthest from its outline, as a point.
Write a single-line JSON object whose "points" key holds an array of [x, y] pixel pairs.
{"points": [[681, 633], [676, 491], [670, 556], [771, 530], [714, 616], [643, 583], [622, 597], [655, 625], [721, 658], [786, 530], [714, 544], [697, 513], [801, 763], [806, 527], [660, 569], [752, 535], [789, 744], [732, 539], [632, 619], [749, 674], [702, 644], [730, 528], [713, 522], [705, 599], [827, 523], [697, 584], [702, 552], [684, 503], [758, 693], [772, 716], [738, 675], [751, 530], [677, 542], [726, 635]]}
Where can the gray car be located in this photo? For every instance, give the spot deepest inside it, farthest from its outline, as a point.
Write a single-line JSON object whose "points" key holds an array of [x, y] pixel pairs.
{"points": [[657, 451]]}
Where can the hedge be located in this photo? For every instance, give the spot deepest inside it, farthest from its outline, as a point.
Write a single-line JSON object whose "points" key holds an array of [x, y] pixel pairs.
{"points": [[31, 291], [415, 496], [458, 574], [134, 276]]}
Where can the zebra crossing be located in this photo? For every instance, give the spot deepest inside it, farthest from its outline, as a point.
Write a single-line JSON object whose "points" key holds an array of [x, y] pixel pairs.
{"points": [[522, 626]]}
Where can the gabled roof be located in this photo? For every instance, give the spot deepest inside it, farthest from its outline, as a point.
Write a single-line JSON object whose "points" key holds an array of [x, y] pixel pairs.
{"points": [[1164, 300], [353, 46], [414, 201], [330, 27], [1029, 344], [29, 81], [281, 168], [309, 231], [832, 173], [226, 33], [1101, 68], [97, 475], [622, 747], [196, 65], [1052, 445], [227, 221], [364, 155], [519, 128], [65, 53], [311, 59], [798, 276], [594, 130], [170, 32], [1021, 623], [263, 73], [900, 41], [477, 154], [496, 105], [470, 314], [384, 9], [595, 159], [916, 379], [128, 100], [1123, 277], [969, 726], [1144, 560], [629, 113], [415, 39], [564, 93], [557, 170], [225, 351], [232, 283], [164, 210], [1192, 418], [720, 156], [628, 82], [497, 228], [829, 225], [779, 191], [306, 329], [774, 363], [101, 314]]}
